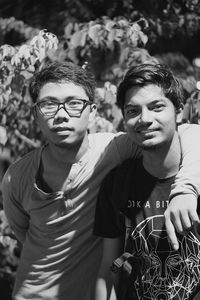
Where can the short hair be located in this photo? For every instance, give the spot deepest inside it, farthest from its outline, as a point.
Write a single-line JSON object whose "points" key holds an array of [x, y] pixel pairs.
{"points": [[62, 72], [145, 74]]}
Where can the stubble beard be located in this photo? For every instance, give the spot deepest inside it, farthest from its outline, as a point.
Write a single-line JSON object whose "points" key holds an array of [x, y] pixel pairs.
{"points": [[150, 148]]}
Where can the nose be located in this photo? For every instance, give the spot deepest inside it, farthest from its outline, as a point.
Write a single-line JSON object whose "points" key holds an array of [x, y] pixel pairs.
{"points": [[163, 271], [145, 116], [61, 113]]}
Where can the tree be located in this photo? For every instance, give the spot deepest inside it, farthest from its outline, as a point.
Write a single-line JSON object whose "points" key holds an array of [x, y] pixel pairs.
{"points": [[17, 66], [173, 24], [93, 35], [117, 38]]}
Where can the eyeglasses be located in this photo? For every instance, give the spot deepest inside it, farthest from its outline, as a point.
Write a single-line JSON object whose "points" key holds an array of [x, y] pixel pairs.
{"points": [[73, 107]]}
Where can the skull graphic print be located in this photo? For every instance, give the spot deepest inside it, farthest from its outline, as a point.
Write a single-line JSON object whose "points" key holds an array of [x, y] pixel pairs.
{"points": [[164, 273]]}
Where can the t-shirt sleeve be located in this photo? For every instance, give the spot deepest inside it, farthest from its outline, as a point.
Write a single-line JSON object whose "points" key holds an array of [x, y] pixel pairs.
{"points": [[126, 147], [108, 219], [17, 218], [188, 178]]}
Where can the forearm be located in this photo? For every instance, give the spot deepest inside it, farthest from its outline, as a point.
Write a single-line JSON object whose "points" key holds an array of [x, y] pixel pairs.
{"points": [[181, 214], [107, 281], [187, 180], [105, 290]]}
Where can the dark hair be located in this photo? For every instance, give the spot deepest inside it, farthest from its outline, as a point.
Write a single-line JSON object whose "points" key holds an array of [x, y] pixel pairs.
{"points": [[144, 74], [62, 72]]}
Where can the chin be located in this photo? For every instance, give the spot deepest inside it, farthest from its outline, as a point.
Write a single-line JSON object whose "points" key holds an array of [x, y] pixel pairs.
{"points": [[63, 145], [69, 143], [65, 142], [150, 146]]}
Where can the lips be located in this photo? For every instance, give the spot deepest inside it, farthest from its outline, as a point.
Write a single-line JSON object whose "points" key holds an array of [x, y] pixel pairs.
{"points": [[146, 131], [61, 128]]}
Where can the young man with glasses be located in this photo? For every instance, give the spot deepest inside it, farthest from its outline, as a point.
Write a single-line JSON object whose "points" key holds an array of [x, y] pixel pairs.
{"points": [[50, 194]]}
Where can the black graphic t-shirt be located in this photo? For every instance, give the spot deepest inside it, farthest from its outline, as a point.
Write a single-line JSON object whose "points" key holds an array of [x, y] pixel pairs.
{"points": [[158, 272]]}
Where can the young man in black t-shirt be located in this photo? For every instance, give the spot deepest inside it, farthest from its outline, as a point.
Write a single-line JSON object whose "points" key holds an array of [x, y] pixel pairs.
{"points": [[134, 197]]}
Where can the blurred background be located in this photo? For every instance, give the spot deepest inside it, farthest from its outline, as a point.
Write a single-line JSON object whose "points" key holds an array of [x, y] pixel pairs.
{"points": [[105, 36]]}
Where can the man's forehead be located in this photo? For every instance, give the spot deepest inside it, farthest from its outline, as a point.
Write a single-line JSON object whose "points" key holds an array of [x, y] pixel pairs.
{"points": [[63, 90], [151, 92]]}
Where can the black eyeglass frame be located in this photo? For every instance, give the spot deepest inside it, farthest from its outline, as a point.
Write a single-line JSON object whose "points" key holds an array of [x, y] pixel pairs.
{"points": [[85, 104]]}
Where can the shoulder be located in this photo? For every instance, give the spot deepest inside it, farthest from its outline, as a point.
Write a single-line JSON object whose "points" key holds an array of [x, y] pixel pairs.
{"points": [[109, 136], [128, 165], [100, 137], [103, 139], [27, 160], [23, 167], [188, 128], [122, 173]]}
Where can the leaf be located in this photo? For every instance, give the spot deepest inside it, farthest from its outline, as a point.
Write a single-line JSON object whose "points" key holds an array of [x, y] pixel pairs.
{"points": [[123, 23], [132, 37], [15, 60], [83, 37], [75, 39], [119, 33], [40, 42], [7, 50], [24, 51], [1, 101], [111, 35], [124, 55], [68, 30], [51, 40], [3, 135], [34, 41], [93, 33], [143, 37], [109, 25], [32, 61]]}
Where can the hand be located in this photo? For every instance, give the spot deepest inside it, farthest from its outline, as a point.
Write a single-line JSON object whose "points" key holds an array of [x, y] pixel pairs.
{"points": [[180, 215]]}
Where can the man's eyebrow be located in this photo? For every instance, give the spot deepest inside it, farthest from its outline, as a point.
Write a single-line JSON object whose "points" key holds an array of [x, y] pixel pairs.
{"points": [[157, 100], [131, 105], [47, 98], [56, 99], [152, 102]]}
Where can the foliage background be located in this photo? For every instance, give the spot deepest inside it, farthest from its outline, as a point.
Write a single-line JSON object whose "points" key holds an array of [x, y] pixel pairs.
{"points": [[108, 35]]}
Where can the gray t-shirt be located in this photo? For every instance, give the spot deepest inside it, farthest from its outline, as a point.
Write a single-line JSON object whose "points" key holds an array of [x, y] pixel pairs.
{"points": [[60, 255]]}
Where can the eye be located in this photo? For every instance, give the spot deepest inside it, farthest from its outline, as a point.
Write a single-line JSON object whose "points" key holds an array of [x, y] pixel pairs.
{"points": [[131, 111], [158, 107], [48, 104], [75, 103]]}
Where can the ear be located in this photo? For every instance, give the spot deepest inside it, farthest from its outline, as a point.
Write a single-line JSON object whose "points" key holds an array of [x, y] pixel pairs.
{"points": [[179, 115], [124, 125], [93, 110]]}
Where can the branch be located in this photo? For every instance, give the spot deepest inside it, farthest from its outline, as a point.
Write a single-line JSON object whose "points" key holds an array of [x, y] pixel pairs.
{"points": [[27, 140]]}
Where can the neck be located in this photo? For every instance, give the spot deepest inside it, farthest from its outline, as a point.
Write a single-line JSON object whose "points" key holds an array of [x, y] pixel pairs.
{"points": [[164, 161], [68, 154]]}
